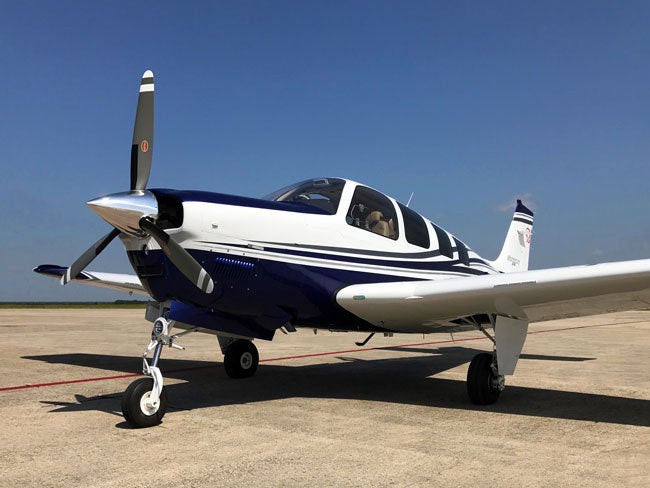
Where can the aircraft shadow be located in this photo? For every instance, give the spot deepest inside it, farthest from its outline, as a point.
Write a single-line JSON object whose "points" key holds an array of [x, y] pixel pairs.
{"points": [[405, 380], [542, 357]]}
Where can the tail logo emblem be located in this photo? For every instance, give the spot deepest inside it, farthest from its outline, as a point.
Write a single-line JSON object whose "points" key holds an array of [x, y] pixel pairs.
{"points": [[144, 146]]}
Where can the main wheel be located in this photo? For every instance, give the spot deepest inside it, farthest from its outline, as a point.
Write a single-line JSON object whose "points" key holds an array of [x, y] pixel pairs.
{"points": [[482, 383], [241, 359], [134, 404]]}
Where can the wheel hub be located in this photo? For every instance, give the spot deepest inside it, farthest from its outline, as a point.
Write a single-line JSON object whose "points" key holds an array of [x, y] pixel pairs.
{"points": [[246, 360], [146, 406]]}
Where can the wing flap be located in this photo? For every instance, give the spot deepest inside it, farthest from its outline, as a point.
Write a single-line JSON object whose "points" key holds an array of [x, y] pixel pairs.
{"points": [[114, 281], [536, 295]]}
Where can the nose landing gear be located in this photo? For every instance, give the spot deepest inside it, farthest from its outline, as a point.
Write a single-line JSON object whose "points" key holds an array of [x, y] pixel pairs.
{"points": [[144, 402]]}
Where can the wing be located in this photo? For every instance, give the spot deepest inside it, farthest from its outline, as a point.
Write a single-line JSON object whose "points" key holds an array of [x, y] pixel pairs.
{"points": [[114, 281], [547, 294]]}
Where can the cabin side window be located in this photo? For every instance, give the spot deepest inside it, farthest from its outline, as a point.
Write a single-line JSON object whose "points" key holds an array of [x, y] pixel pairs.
{"points": [[444, 243], [415, 228], [373, 212]]}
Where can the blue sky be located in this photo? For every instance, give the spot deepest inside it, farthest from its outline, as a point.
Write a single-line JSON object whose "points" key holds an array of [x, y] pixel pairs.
{"points": [[466, 104]]}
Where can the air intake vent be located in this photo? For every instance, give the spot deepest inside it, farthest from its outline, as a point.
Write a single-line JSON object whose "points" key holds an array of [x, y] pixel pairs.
{"points": [[230, 269], [170, 212]]}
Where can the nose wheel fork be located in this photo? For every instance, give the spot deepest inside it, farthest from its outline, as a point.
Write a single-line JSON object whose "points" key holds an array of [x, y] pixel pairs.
{"points": [[144, 402]]}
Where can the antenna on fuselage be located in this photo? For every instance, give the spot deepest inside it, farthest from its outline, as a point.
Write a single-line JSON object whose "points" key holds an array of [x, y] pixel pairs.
{"points": [[410, 198]]}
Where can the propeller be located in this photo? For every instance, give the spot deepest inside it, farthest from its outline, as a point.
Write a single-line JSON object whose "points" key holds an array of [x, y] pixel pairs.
{"points": [[134, 212], [87, 257], [142, 145], [182, 259]]}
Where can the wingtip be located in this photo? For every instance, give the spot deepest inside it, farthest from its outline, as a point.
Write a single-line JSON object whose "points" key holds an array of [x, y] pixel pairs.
{"points": [[48, 269], [148, 74], [54, 271]]}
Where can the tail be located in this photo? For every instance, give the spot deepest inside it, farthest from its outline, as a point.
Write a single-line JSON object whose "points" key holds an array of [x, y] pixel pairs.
{"points": [[516, 248]]}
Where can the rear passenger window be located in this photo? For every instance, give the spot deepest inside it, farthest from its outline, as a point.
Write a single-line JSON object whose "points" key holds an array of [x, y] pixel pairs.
{"points": [[415, 227], [444, 243], [463, 254]]}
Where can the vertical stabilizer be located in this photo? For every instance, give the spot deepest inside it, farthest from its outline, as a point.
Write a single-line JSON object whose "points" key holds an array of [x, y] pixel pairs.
{"points": [[516, 248]]}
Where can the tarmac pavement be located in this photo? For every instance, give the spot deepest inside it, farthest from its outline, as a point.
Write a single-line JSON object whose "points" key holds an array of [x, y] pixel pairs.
{"points": [[576, 412]]}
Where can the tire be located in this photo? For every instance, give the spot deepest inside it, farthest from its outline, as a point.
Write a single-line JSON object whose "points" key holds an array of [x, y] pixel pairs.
{"points": [[241, 359], [481, 386], [134, 409]]}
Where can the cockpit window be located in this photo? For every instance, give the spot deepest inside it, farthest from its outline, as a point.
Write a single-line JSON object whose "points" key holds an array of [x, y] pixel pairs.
{"points": [[324, 193], [374, 212]]}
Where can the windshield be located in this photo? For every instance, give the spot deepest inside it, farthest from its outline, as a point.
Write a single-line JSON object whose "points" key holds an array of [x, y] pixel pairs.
{"points": [[324, 193]]}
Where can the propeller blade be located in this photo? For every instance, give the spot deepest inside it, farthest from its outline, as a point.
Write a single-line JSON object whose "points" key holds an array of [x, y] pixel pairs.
{"points": [[182, 259], [142, 145], [86, 258]]}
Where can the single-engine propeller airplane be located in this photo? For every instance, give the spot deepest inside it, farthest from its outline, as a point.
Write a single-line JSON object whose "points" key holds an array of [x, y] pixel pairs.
{"points": [[325, 253]]}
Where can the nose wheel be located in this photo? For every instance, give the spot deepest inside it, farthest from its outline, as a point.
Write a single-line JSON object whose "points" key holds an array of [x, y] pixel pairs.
{"points": [[137, 408]]}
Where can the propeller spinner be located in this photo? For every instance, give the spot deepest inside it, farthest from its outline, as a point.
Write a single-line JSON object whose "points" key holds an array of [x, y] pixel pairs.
{"points": [[134, 212]]}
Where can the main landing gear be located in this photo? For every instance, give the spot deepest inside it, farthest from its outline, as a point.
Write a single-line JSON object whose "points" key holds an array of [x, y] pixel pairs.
{"points": [[241, 359], [486, 373], [484, 383], [144, 402]]}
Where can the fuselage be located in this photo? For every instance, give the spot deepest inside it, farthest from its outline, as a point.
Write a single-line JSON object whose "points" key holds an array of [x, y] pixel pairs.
{"points": [[281, 259]]}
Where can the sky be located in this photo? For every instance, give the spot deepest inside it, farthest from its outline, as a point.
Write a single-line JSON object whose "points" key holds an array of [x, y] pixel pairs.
{"points": [[467, 105]]}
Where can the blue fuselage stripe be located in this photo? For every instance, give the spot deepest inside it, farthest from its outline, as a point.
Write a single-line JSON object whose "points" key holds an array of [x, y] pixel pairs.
{"points": [[447, 266]]}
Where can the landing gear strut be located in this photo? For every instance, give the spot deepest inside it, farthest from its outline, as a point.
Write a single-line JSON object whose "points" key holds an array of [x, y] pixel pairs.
{"points": [[144, 402]]}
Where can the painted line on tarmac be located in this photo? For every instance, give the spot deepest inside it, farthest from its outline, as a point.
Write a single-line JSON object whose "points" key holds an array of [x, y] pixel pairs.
{"points": [[69, 382], [301, 356]]}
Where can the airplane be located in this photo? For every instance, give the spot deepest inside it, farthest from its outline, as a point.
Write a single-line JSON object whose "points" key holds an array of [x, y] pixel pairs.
{"points": [[324, 253]]}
